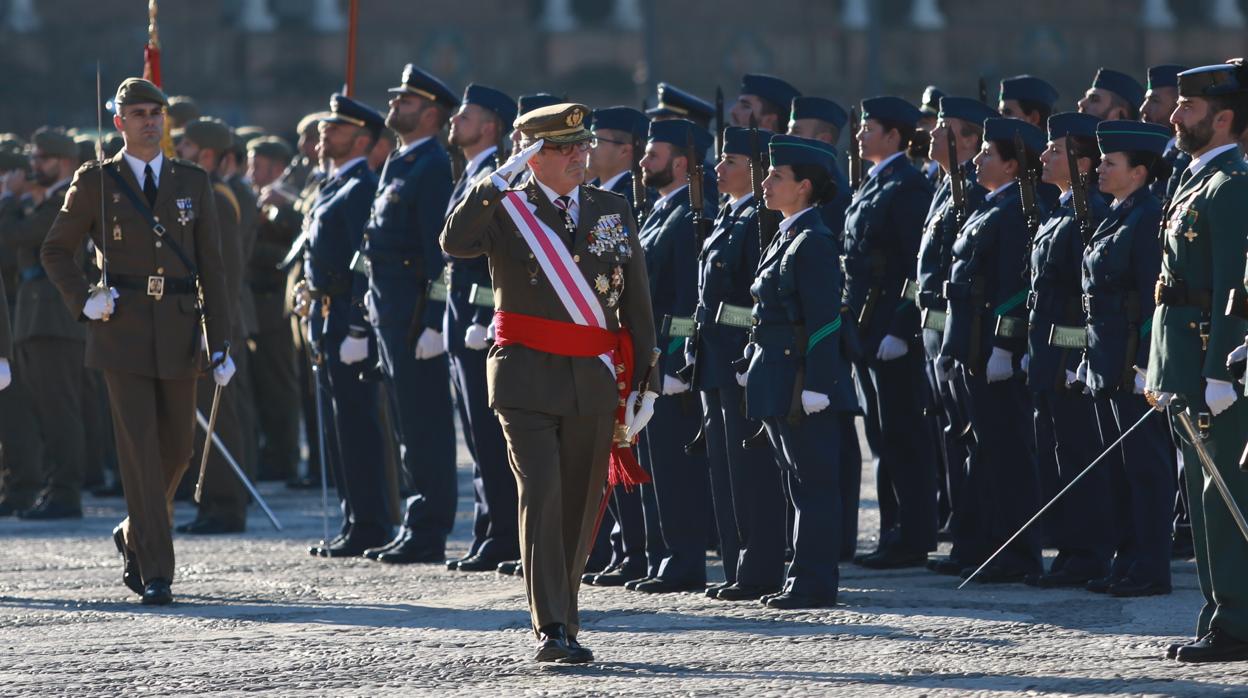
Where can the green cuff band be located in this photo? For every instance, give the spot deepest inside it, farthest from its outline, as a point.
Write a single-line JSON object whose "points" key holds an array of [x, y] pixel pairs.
{"points": [[676, 345], [1014, 301], [823, 332], [1146, 328]]}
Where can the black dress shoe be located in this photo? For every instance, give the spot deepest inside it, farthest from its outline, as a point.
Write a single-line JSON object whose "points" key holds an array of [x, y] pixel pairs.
{"points": [[713, 590], [129, 565], [508, 568], [318, 548], [859, 557], [618, 577], [552, 644], [788, 601], [893, 558], [577, 653], [588, 577], [1101, 585], [398, 540], [157, 593], [354, 544], [631, 584], [1128, 588], [737, 592], [946, 565], [479, 563], [659, 585], [209, 526], [412, 552], [1172, 650], [1217, 646], [48, 509]]}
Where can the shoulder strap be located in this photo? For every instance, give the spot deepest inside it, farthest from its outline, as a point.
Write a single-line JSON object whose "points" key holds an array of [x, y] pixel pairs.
{"points": [[224, 190], [157, 229]]}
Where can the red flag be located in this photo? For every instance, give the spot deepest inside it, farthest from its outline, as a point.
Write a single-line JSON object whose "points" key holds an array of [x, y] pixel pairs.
{"points": [[151, 69]]}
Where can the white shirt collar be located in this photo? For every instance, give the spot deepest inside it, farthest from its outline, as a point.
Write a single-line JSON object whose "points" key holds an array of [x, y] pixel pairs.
{"points": [[345, 166], [884, 163], [788, 222], [137, 165], [407, 149], [1199, 163], [475, 163], [575, 195], [612, 182], [668, 196], [736, 204], [998, 190], [1066, 196]]}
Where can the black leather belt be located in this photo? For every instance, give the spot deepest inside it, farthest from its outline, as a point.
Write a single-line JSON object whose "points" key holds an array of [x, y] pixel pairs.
{"points": [[1178, 293], [155, 286]]}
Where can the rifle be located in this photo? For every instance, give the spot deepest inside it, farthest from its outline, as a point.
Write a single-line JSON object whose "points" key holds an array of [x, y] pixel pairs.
{"points": [[957, 185], [768, 223], [1078, 191], [639, 186], [719, 121], [1027, 192], [700, 223], [855, 158]]}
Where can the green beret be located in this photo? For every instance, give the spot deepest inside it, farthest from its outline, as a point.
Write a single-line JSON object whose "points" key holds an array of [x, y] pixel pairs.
{"points": [[271, 147], [210, 133], [54, 142], [139, 91], [183, 110]]}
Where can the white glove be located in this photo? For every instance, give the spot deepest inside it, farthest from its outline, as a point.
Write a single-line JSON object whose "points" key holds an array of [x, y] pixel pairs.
{"points": [[892, 348], [100, 304], [430, 344], [813, 402], [674, 386], [515, 164], [636, 421], [476, 337], [223, 373], [1081, 373], [741, 379], [1025, 362], [1000, 365], [1219, 395], [6, 375], [1141, 377], [1162, 400], [1071, 378], [1237, 355], [941, 366], [353, 349]]}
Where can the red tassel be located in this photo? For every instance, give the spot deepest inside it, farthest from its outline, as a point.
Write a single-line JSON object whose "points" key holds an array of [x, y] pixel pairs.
{"points": [[151, 64]]}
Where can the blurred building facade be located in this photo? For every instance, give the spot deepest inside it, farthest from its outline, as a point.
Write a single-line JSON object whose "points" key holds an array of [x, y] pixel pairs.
{"points": [[268, 62]]}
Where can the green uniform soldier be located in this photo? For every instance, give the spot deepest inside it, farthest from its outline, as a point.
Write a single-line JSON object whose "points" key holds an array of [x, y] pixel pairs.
{"points": [[570, 285], [1203, 248], [153, 222], [49, 342]]}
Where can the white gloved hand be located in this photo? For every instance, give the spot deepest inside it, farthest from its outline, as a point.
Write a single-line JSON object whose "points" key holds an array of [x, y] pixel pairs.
{"points": [[637, 417], [1025, 362], [476, 337], [942, 365], [100, 304], [741, 379], [1219, 395], [429, 344], [813, 402], [1238, 355], [353, 349], [1081, 373], [892, 348], [6, 374], [1000, 365], [1141, 377], [1162, 400], [224, 372], [517, 162], [1071, 378], [674, 386]]}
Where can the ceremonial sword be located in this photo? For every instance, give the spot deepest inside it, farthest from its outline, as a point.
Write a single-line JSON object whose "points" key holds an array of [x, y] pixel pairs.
{"points": [[1206, 462], [99, 154]]}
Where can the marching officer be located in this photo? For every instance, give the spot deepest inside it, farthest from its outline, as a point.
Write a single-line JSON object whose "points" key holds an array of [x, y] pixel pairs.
{"points": [[1202, 256], [1120, 266], [570, 286], [680, 484], [400, 244], [332, 303], [797, 378], [158, 243], [479, 128], [746, 492], [960, 119], [1067, 439], [986, 293], [49, 342], [883, 228]]}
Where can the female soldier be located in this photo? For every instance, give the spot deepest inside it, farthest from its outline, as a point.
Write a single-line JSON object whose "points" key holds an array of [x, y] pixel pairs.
{"points": [[797, 381], [1067, 438], [1120, 267]]}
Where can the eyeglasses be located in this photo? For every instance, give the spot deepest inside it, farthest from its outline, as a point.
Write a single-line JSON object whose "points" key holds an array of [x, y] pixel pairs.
{"points": [[569, 148], [600, 139]]}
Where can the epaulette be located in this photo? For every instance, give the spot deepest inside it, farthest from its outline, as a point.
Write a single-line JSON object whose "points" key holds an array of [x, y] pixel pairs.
{"points": [[600, 190], [87, 166], [187, 163]]}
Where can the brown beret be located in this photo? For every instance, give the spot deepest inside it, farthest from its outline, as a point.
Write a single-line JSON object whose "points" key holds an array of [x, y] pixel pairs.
{"points": [[558, 123], [271, 147], [139, 91], [54, 142], [210, 133], [183, 109]]}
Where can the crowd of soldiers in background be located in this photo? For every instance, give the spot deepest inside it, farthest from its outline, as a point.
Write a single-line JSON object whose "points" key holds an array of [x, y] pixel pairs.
{"points": [[969, 434]]}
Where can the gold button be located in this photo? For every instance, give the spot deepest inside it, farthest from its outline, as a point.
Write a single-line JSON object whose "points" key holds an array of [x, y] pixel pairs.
{"points": [[160, 271], [621, 386], [576, 258], [1191, 325], [159, 243], [407, 262], [530, 255], [787, 352], [485, 202]]}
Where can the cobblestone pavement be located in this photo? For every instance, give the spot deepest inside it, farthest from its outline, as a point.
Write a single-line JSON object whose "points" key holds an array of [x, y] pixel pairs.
{"points": [[255, 613]]}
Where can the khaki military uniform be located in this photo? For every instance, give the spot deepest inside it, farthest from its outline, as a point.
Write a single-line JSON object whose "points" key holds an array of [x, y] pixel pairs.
{"points": [[150, 350], [20, 445], [557, 412]]}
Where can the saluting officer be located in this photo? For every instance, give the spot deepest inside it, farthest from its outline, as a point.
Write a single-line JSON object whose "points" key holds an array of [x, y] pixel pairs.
{"points": [[159, 242], [1203, 249], [883, 228], [798, 379]]}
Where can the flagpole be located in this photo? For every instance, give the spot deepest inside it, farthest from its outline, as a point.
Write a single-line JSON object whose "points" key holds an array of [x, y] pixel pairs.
{"points": [[352, 24]]}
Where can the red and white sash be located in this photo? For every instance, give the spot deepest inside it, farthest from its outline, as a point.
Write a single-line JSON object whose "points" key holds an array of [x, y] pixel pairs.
{"points": [[555, 260]]}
